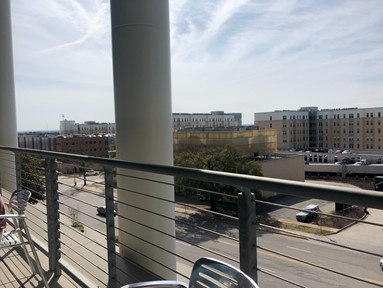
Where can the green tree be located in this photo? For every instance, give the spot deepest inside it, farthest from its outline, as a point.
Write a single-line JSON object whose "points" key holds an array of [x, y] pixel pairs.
{"points": [[226, 159], [32, 177]]}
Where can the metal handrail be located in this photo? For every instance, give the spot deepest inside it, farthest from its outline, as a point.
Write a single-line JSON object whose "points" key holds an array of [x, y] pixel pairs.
{"points": [[246, 217], [343, 195]]}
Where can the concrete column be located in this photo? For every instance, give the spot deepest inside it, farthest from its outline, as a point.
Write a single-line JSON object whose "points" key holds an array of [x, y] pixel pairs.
{"points": [[142, 91], [8, 130]]}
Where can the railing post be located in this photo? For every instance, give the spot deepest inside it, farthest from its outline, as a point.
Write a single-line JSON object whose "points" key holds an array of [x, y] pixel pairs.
{"points": [[110, 234], [18, 170], [53, 215], [247, 233]]}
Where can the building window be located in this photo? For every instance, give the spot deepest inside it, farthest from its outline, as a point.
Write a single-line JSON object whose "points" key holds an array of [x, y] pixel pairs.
{"points": [[284, 117], [344, 115], [378, 114], [271, 118], [357, 116], [271, 125]]}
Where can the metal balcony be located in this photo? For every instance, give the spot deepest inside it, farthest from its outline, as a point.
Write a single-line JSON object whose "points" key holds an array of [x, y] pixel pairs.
{"points": [[81, 247]]}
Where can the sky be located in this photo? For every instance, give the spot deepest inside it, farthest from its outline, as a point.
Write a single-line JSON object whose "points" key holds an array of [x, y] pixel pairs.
{"points": [[241, 56]]}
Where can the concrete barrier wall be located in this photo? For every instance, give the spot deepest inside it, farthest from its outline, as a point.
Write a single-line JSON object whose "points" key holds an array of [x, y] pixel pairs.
{"points": [[288, 168]]}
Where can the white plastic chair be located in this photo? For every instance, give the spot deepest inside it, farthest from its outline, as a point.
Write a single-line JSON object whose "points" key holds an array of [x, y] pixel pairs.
{"points": [[20, 235], [207, 272]]}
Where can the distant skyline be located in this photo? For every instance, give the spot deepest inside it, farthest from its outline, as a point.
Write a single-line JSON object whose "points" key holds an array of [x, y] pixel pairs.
{"points": [[233, 55]]}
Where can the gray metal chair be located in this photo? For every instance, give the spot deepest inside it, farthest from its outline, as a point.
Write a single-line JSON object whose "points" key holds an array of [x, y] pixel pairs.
{"points": [[20, 236], [207, 272]]}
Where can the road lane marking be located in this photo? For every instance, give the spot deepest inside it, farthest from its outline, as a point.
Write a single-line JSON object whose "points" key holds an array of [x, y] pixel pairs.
{"points": [[184, 243], [306, 251], [228, 243], [268, 270]]}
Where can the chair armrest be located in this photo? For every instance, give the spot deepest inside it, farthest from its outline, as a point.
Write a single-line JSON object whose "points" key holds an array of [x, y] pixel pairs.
{"points": [[161, 283], [9, 216]]}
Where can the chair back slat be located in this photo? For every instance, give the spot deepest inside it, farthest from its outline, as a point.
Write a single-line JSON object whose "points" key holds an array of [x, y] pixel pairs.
{"points": [[208, 272], [223, 279]]}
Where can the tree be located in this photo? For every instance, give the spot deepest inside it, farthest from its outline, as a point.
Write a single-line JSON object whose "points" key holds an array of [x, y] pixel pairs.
{"points": [[226, 159], [32, 177]]}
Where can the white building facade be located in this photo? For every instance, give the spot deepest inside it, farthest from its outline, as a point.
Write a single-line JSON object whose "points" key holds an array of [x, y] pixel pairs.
{"points": [[216, 119], [70, 127]]}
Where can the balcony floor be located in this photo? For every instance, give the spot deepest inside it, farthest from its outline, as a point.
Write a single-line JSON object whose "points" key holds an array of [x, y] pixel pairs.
{"points": [[15, 272]]}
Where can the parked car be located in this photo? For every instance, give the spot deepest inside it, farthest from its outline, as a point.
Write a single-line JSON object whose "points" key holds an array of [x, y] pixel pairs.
{"points": [[381, 264], [345, 161], [101, 210], [306, 215], [91, 173]]}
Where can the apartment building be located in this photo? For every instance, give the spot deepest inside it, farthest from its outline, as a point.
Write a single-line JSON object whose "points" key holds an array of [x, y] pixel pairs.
{"points": [[350, 128], [292, 127], [181, 121], [308, 127], [216, 119]]}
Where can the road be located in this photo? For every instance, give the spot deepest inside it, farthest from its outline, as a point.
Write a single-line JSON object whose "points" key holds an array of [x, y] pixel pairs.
{"points": [[361, 266]]}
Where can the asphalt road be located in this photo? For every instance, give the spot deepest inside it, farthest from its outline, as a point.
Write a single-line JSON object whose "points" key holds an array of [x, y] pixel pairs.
{"points": [[363, 267]]}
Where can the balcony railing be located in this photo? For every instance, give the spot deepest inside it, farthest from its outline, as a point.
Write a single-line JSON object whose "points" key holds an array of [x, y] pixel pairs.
{"points": [[87, 243]]}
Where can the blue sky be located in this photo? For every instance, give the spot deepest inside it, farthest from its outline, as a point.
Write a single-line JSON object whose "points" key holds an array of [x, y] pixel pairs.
{"points": [[234, 55]]}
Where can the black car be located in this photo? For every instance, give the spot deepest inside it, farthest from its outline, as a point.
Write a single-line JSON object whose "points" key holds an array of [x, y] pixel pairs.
{"points": [[101, 210]]}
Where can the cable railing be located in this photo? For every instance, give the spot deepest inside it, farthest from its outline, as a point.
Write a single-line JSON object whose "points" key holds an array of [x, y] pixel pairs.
{"points": [[96, 245]]}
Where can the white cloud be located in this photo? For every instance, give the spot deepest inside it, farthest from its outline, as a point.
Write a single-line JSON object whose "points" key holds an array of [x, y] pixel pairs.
{"points": [[233, 55]]}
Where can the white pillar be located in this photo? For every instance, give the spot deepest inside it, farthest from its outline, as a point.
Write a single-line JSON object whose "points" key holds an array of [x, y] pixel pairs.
{"points": [[8, 130], [142, 91]]}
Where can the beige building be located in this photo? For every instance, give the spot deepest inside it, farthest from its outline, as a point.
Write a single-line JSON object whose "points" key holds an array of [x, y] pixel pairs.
{"points": [[347, 128], [350, 128], [261, 142], [292, 127]]}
